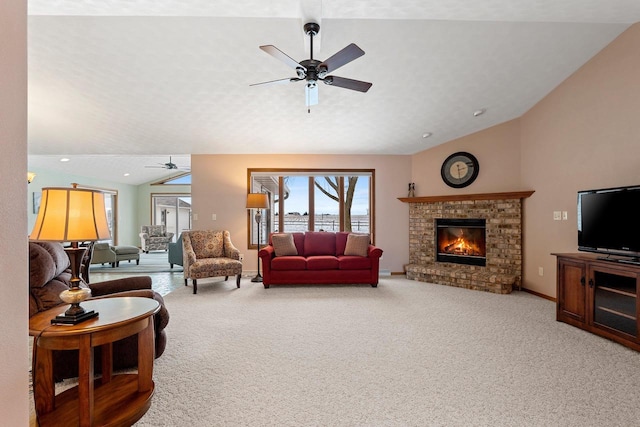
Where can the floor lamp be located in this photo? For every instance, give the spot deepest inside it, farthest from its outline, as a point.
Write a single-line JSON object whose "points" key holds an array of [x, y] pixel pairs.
{"points": [[258, 201], [72, 215]]}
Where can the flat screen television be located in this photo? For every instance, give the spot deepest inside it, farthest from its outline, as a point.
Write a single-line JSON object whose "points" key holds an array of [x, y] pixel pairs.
{"points": [[609, 222]]}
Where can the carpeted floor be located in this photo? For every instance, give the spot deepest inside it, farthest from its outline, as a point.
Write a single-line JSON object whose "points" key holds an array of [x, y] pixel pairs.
{"points": [[403, 354]]}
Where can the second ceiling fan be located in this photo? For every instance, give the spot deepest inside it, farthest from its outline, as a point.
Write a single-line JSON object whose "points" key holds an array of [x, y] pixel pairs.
{"points": [[312, 71]]}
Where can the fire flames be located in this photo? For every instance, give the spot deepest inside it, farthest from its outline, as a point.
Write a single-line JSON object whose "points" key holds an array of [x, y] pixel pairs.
{"points": [[461, 246]]}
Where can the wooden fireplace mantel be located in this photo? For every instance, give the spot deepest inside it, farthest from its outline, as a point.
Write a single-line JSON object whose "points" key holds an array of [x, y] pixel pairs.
{"points": [[464, 197]]}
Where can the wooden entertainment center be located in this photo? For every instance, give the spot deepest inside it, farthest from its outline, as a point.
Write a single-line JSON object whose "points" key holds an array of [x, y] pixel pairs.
{"points": [[599, 296]]}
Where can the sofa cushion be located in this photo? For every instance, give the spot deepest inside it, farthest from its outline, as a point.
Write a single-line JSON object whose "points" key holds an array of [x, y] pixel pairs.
{"points": [[319, 243], [283, 244], [322, 262], [289, 263], [357, 245], [348, 262]]}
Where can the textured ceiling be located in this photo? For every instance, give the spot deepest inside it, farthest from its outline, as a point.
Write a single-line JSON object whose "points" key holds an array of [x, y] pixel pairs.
{"points": [[136, 79]]}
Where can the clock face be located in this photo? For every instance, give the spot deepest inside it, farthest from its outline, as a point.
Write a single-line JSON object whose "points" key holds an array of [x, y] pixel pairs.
{"points": [[460, 169]]}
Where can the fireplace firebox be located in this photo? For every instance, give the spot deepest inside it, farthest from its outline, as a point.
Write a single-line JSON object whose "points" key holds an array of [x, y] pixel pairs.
{"points": [[461, 241]]}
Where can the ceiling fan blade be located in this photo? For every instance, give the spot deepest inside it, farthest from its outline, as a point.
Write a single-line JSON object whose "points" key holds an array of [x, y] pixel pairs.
{"points": [[358, 85], [342, 57], [277, 82], [280, 55], [311, 94]]}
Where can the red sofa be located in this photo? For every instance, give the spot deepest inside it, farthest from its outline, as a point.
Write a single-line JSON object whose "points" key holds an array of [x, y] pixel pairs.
{"points": [[320, 260]]}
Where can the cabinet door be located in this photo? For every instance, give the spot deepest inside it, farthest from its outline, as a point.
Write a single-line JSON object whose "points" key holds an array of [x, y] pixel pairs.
{"points": [[571, 302], [613, 301]]}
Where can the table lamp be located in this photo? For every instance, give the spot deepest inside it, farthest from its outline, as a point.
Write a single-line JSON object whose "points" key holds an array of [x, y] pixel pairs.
{"points": [[72, 215], [258, 201]]}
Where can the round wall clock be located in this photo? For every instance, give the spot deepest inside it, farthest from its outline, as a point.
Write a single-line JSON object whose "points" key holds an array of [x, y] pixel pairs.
{"points": [[460, 169]]}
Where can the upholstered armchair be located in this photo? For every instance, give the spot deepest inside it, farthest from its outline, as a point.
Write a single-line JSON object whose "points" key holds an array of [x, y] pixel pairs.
{"points": [[209, 253], [103, 253], [50, 274], [155, 238], [175, 252]]}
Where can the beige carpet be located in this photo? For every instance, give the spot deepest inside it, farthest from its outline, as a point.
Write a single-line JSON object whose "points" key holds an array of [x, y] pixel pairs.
{"points": [[403, 354]]}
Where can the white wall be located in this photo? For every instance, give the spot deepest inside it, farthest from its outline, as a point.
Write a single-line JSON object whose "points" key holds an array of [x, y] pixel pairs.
{"points": [[14, 351]]}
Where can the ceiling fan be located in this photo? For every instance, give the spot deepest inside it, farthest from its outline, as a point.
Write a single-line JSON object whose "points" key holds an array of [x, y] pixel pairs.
{"points": [[312, 70], [169, 166]]}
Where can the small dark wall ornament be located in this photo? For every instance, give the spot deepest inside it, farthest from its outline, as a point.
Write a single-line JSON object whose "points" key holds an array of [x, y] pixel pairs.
{"points": [[412, 189]]}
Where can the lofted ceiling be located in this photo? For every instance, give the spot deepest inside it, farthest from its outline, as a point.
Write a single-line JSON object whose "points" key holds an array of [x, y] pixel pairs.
{"points": [[117, 85]]}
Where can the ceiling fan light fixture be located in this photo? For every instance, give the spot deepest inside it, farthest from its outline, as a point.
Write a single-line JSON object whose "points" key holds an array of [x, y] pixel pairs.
{"points": [[311, 70]]}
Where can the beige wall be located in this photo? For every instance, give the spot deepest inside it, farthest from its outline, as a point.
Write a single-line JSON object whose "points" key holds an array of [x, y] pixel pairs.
{"points": [[220, 187], [585, 134], [14, 351], [497, 150]]}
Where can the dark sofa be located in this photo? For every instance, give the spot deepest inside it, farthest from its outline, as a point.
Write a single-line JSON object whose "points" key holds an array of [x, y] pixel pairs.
{"points": [[320, 259], [49, 274]]}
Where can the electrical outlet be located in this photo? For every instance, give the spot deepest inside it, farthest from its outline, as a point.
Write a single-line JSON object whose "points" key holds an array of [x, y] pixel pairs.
{"points": [[540, 271], [241, 257], [565, 215], [213, 217], [195, 216]]}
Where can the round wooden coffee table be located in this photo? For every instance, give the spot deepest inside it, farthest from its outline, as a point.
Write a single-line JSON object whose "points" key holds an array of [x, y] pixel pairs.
{"points": [[117, 399]]}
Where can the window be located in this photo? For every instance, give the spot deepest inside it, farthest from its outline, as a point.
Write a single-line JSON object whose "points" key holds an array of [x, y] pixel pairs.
{"points": [[173, 211], [312, 199], [111, 207]]}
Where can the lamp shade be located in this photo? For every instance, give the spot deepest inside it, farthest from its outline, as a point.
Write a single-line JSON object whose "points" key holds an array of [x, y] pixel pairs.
{"points": [[257, 201], [71, 214]]}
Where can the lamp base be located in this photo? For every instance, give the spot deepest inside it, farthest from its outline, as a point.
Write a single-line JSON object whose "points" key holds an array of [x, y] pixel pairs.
{"points": [[257, 279], [64, 319]]}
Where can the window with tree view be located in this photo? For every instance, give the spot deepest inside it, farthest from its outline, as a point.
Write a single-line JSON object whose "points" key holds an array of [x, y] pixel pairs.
{"points": [[312, 200]]}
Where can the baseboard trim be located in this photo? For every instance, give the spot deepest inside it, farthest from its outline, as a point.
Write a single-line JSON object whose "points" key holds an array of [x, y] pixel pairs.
{"points": [[538, 294]]}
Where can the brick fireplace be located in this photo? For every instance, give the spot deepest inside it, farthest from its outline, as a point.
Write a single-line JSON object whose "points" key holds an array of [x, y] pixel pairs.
{"points": [[502, 216]]}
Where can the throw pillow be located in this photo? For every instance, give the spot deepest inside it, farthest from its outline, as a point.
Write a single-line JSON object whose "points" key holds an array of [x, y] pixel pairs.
{"points": [[155, 231], [283, 244], [357, 245]]}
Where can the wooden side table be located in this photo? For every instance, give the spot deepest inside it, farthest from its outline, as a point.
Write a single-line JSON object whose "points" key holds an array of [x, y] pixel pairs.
{"points": [[117, 399]]}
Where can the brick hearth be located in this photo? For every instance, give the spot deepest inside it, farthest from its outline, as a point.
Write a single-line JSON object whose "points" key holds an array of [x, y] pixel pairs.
{"points": [[503, 215]]}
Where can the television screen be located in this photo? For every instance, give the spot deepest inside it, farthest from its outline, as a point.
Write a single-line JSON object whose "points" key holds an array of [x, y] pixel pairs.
{"points": [[609, 221]]}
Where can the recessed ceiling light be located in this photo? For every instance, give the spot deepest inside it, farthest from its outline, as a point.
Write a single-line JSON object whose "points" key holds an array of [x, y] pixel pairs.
{"points": [[127, 174], [64, 159], [479, 112], [426, 134]]}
